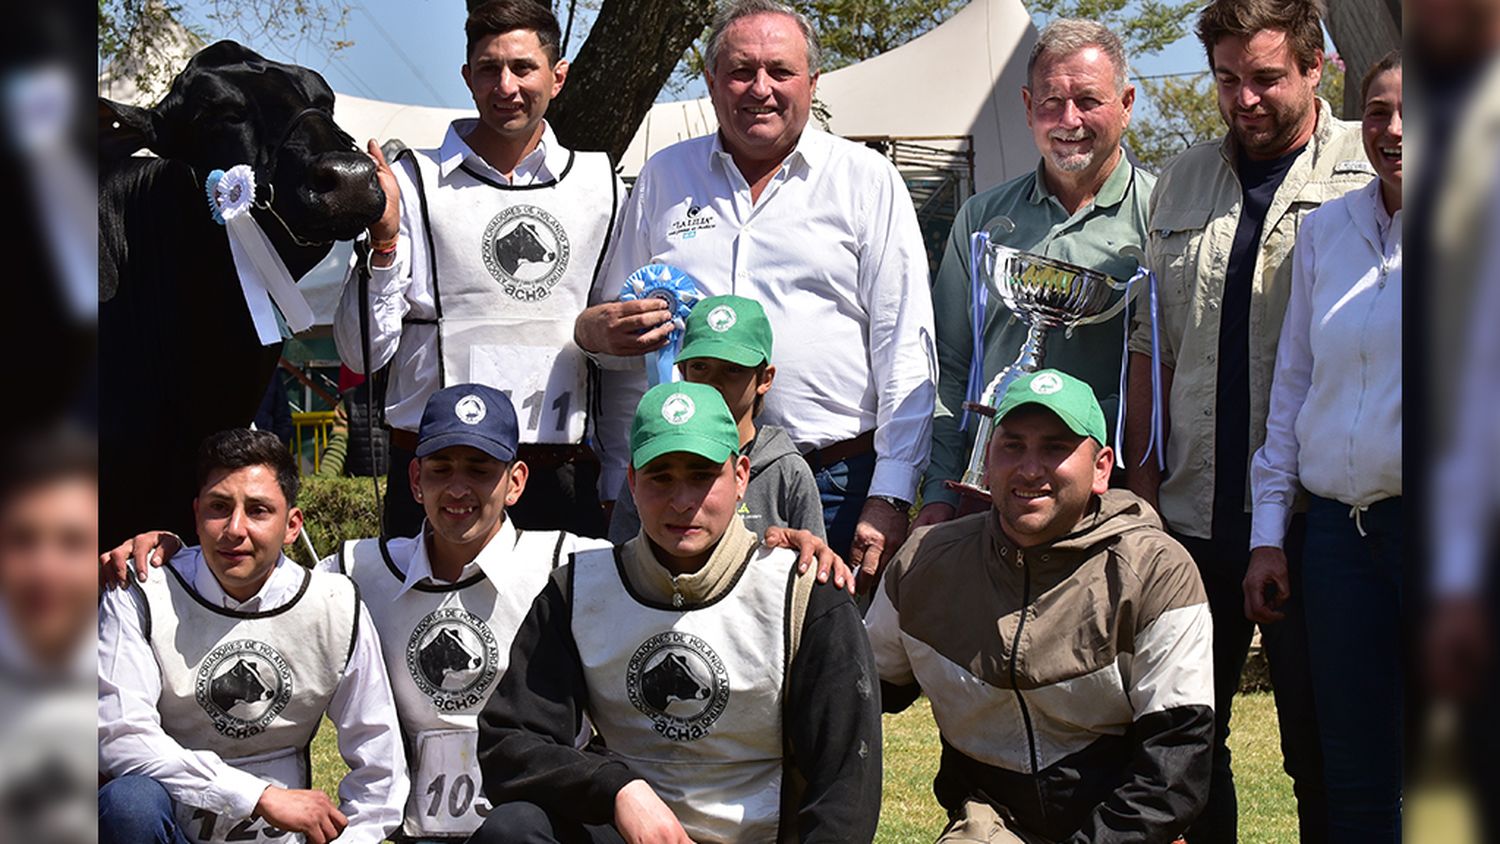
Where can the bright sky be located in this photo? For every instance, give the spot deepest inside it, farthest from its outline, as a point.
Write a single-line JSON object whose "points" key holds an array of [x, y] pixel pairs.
{"points": [[410, 51]]}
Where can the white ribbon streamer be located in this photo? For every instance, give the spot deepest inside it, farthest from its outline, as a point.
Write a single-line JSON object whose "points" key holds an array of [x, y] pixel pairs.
{"points": [[263, 275]]}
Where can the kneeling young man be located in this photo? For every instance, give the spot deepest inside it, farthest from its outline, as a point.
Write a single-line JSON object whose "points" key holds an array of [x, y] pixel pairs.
{"points": [[216, 670], [1063, 639], [735, 697]]}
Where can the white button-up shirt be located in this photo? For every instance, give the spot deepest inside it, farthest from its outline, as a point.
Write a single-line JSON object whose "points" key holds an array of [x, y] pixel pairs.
{"points": [[833, 252], [132, 741], [1334, 426], [404, 289]]}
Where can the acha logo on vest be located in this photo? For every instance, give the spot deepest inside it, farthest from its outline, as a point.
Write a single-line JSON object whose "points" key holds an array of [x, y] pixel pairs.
{"points": [[526, 250], [453, 657], [677, 681], [243, 685]]}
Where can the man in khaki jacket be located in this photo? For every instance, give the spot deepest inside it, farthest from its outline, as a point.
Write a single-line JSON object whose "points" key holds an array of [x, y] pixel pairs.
{"points": [[1224, 218]]}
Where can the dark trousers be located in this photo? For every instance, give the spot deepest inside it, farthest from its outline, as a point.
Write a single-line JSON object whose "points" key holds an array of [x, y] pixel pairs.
{"points": [[1222, 565], [843, 487], [137, 810], [528, 823], [561, 497], [1352, 585]]}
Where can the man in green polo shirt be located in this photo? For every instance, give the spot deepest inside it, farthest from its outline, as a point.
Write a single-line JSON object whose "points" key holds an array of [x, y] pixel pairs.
{"points": [[1083, 204]]}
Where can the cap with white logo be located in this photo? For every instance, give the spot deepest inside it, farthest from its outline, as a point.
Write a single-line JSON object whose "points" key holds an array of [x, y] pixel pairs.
{"points": [[682, 417], [473, 415]]}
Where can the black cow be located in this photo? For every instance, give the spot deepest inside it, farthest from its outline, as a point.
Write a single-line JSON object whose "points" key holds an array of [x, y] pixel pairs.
{"points": [[670, 680], [240, 684], [445, 653], [521, 244], [179, 358]]}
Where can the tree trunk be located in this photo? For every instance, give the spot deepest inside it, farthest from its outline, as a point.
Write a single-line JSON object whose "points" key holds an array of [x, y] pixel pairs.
{"points": [[1363, 31]]}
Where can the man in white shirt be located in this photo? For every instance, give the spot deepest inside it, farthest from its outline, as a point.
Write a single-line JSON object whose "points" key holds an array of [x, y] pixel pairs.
{"points": [[484, 256], [216, 671], [823, 233]]}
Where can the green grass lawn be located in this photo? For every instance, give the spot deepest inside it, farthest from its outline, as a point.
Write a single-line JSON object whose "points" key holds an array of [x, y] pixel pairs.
{"points": [[909, 812]]}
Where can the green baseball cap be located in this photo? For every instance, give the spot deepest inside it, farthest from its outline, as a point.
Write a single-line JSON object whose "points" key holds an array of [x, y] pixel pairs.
{"points": [[1072, 400], [682, 417], [730, 328]]}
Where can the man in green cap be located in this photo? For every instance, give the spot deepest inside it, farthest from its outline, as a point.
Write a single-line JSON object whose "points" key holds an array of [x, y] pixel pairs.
{"points": [[736, 698], [727, 345], [1063, 638]]}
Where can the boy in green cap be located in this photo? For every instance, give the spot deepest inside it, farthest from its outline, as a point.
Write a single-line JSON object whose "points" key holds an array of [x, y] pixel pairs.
{"points": [[684, 647], [727, 345]]}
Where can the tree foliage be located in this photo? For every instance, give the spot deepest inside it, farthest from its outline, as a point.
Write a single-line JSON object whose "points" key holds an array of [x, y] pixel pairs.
{"points": [[1146, 26]]}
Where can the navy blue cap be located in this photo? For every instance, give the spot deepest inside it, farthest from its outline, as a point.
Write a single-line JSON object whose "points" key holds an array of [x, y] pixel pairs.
{"points": [[472, 415]]}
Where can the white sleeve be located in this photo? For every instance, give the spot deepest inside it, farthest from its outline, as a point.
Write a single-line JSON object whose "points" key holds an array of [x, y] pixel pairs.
{"points": [[883, 624], [131, 738], [373, 794], [894, 288], [387, 304], [1273, 470]]}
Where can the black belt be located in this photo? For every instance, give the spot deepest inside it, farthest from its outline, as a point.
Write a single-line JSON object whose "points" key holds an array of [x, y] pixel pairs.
{"points": [[841, 451]]}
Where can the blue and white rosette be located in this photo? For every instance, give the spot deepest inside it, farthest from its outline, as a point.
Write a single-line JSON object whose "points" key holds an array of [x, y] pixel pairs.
{"points": [[680, 291], [263, 275]]}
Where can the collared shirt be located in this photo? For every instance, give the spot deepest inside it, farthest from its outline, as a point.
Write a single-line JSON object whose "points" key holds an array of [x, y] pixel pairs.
{"points": [[1194, 214], [19, 663], [1335, 420], [1092, 237], [132, 741], [403, 290], [833, 252]]}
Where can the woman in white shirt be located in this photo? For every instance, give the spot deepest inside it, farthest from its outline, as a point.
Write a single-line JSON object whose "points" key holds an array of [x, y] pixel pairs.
{"points": [[1334, 430]]}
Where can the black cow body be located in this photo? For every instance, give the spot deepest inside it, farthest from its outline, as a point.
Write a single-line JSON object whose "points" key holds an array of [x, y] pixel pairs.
{"points": [[443, 654], [179, 358], [240, 684], [521, 244], [671, 680]]}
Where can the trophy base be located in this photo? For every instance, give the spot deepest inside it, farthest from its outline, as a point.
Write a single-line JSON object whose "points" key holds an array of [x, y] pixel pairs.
{"points": [[969, 491]]}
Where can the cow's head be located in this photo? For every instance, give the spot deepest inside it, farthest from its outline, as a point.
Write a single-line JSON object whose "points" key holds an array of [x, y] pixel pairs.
{"points": [[232, 106]]}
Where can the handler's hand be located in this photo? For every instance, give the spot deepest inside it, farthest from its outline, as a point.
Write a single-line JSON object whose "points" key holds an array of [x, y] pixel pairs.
{"points": [[307, 811], [389, 224], [151, 548], [934, 513], [641, 817], [808, 546], [1267, 573], [1458, 649], [615, 328], [880, 531]]}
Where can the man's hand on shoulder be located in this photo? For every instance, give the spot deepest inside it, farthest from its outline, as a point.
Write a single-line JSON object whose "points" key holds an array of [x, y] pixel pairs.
{"points": [[881, 530], [810, 548], [642, 818], [307, 811], [624, 328], [151, 548]]}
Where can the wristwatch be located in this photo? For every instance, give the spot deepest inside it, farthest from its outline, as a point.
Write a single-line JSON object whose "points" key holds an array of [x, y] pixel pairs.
{"points": [[898, 504]]}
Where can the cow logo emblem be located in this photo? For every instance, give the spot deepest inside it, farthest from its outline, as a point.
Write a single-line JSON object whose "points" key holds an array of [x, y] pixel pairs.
{"points": [[677, 681], [453, 658], [722, 318], [243, 685], [1046, 384], [677, 409], [526, 250], [470, 409]]}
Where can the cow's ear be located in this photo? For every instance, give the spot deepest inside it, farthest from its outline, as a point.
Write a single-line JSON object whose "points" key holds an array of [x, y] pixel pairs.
{"points": [[123, 129]]}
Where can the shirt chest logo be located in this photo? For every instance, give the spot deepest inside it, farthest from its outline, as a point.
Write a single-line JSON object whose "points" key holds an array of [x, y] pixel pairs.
{"points": [[680, 683], [694, 219], [526, 250], [453, 658], [243, 685]]}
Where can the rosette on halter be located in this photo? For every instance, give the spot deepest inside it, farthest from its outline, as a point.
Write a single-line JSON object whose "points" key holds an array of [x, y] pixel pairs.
{"points": [[263, 275], [680, 291]]}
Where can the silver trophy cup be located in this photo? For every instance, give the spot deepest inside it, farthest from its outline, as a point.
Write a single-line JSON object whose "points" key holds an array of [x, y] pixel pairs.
{"points": [[1044, 293]]}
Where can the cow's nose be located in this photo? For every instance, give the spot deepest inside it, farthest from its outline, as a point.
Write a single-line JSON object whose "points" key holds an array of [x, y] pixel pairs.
{"points": [[333, 172]]}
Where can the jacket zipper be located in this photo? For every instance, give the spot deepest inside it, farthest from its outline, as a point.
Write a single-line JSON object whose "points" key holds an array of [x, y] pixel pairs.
{"points": [[1015, 646]]}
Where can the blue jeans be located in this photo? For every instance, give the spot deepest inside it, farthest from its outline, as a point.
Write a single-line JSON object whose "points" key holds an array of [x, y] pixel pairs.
{"points": [[1352, 590], [843, 487], [137, 810]]}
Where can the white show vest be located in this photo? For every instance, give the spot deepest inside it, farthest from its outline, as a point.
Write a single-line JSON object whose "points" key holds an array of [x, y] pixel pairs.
{"points": [[250, 686], [692, 698], [446, 647], [512, 266]]}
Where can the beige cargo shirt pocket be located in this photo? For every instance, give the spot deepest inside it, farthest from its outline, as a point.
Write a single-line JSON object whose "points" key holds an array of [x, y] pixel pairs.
{"points": [[1173, 248]]}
